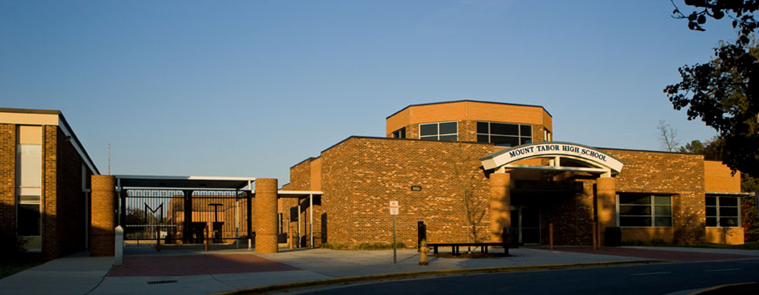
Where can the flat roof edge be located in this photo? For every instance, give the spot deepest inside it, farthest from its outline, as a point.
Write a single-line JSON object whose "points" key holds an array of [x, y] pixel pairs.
{"points": [[470, 100]]}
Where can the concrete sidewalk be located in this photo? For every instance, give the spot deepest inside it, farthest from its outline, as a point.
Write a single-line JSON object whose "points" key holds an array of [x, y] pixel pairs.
{"points": [[80, 274]]}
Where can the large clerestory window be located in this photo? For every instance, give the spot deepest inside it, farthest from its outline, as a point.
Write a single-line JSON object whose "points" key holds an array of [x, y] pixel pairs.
{"points": [[504, 134], [443, 131]]}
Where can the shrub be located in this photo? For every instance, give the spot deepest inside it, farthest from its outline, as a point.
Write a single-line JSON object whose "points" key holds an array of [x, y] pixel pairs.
{"points": [[333, 246], [11, 246]]}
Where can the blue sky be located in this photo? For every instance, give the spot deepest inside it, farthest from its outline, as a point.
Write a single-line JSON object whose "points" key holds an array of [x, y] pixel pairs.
{"points": [[250, 88]]}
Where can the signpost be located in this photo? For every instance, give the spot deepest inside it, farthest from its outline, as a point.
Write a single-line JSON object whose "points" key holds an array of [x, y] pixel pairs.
{"points": [[394, 211]]}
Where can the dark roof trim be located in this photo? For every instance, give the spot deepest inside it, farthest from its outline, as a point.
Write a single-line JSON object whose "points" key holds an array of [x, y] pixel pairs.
{"points": [[469, 100], [306, 160], [76, 139], [30, 111]]}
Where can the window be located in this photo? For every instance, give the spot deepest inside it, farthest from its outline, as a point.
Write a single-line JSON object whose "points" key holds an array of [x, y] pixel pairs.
{"points": [[400, 133], [446, 131], [29, 216], [723, 211], [504, 134], [640, 210], [29, 175]]}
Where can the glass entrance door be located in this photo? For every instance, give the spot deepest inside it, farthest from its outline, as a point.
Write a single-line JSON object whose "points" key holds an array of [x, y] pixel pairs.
{"points": [[530, 231], [527, 221]]}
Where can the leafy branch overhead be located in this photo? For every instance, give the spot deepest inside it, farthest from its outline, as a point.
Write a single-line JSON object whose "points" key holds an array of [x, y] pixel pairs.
{"points": [[740, 11], [724, 92]]}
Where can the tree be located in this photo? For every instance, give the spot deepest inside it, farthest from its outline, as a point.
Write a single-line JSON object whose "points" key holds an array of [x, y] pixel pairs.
{"points": [[694, 147], [464, 180], [724, 92], [667, 136]]}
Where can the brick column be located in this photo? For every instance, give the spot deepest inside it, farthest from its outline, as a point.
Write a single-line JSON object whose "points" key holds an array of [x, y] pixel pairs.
{"points": [[266, 215], [102, 224], [606, 204], [500, 205]]}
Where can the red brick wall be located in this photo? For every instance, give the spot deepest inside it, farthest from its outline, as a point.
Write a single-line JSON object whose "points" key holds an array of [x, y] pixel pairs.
{"points": [[681, 175], [50, 232], [103, 217], [361, 175], [7, 179], [70, 200], [301, 176]]}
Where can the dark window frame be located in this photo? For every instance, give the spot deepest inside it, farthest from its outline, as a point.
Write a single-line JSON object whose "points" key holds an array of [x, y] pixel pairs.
{"points": [[653, 218], [437, 136], [718, 209], [400, 133], [521, 138]]}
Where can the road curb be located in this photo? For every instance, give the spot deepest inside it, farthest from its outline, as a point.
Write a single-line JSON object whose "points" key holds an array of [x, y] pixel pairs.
{"points": [[702, 291], [409, 275]]}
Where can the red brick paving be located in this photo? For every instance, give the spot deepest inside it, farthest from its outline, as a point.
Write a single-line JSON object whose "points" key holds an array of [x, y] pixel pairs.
{"points": [[186, 265], [678, 256]]}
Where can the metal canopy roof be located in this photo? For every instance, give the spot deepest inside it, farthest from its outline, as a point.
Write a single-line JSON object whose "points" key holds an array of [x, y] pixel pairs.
{"points": [[189, 182], [298, 194]]}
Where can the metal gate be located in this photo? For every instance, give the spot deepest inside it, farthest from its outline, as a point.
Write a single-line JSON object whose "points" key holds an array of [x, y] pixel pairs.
{"points": [[184, 216]]}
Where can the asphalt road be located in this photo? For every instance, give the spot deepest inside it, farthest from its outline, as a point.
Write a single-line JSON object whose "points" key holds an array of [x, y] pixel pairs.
{"points": [[642, 279]]}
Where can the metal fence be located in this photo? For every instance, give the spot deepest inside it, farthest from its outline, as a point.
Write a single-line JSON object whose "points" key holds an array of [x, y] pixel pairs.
{"points": [[186, 217]]}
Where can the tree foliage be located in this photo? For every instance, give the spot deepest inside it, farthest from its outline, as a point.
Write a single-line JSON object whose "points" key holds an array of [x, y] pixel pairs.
{"points": [[693, 147], [711, 149], [724, 92]]}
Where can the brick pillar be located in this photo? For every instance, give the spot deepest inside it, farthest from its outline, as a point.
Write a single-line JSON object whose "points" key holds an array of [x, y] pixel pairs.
{"points": [[500, 204], [606, 204], [266, 215], [102, 224]]}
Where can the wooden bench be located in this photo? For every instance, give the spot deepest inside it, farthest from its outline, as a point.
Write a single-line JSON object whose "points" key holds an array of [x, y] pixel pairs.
{"points": [[456, 247]]}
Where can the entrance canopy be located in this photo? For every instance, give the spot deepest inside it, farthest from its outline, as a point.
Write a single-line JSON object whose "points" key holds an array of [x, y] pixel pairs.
{"points": [[595, 161], [187, 182]]}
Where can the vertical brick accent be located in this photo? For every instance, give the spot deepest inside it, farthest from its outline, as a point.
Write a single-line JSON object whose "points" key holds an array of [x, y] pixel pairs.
{"points": [[500, 200], [8, 179], [49, 203], [103, 223], [266, 215], [605, 202]]}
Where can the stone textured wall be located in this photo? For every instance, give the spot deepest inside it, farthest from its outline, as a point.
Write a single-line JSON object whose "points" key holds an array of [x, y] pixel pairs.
{"points": [[360, 176], [681, 175], [7, 179]]}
